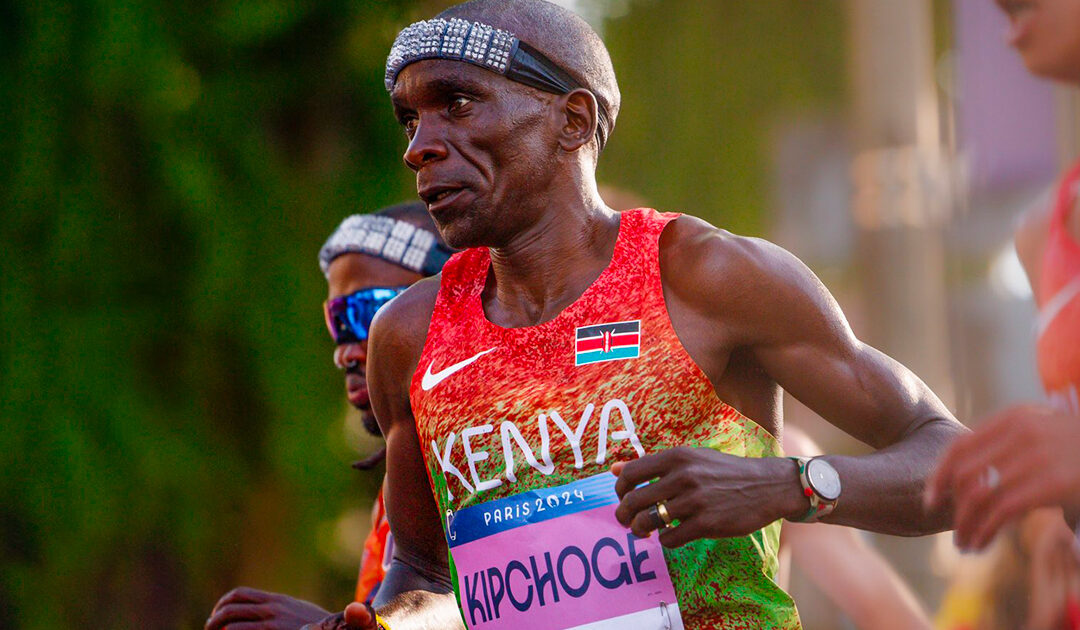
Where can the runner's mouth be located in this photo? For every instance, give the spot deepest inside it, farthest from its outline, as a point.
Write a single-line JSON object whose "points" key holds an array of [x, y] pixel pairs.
{"points": [[439, 198], [356, 390]]}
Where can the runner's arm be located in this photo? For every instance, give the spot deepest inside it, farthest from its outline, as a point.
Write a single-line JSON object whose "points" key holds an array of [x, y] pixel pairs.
{"points": [[730, 296], [416, 592], [796, 332]]}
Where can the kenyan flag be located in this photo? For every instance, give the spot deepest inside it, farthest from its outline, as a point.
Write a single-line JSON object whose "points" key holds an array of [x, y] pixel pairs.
{"points": [[607, 342]]}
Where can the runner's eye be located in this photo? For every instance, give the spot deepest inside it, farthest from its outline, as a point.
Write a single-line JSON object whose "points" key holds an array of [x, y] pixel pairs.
{"points": [[459, 104]]}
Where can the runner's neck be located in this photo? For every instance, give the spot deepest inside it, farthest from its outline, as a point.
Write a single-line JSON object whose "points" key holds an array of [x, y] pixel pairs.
{"points": [[549, 266]]}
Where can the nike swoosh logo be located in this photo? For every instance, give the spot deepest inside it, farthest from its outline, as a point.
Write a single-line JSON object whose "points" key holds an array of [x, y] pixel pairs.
{"points": [[431, 380]]}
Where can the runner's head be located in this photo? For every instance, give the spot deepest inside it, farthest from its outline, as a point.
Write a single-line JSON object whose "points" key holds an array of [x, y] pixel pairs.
{"points": [[505, 103], [1046, 33], [367, 261]]}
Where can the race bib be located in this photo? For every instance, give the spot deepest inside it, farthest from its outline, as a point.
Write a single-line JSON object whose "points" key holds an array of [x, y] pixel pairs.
{"points": [[556, 559]]}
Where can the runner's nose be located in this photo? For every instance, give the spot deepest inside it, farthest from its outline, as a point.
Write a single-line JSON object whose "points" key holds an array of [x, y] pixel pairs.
{"points": [[426, 146], [348, 354]]}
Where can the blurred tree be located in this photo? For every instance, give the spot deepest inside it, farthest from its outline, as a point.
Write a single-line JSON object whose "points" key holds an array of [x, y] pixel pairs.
{"points": [[171, 170], [704, 84]]}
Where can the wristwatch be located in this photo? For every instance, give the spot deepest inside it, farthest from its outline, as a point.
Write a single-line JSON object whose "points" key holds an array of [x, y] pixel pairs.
{"points": [[821, 484]]}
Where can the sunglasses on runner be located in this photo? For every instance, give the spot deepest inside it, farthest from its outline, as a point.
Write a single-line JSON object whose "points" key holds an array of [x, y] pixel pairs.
{"points": [[348, 317]]}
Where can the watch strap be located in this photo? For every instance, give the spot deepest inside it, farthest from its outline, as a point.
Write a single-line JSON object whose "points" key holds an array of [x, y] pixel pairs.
{"points": [[818, 506]]}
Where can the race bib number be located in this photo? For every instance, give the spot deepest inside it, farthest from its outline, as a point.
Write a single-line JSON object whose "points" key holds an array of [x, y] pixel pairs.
{"points": [[556, 559]]}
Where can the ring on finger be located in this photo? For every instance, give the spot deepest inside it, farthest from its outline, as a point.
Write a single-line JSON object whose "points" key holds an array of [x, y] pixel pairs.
{"points": [[655, 519], [990, 477], [662, 512]]}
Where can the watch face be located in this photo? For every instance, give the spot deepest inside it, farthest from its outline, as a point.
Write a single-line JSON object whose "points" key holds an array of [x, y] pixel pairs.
{"points": [[823, 479]]}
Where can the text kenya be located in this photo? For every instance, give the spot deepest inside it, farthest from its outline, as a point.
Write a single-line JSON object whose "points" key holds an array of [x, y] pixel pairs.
{"points": [[510, 436]]}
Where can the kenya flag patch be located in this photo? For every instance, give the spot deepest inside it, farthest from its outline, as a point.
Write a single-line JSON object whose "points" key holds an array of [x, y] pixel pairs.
{"points": [[607, 342]]}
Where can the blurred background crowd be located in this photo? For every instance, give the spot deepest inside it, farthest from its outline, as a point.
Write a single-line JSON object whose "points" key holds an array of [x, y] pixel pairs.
{"points": [[173, 423]]}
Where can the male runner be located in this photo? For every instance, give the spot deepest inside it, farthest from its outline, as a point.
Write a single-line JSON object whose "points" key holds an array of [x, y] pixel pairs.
{"points": [[1026, 456], [367, 261], [571, 340]]}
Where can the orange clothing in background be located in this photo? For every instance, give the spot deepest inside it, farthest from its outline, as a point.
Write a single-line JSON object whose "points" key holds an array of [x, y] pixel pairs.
{"points": [[1059, 303], [378, 551]]}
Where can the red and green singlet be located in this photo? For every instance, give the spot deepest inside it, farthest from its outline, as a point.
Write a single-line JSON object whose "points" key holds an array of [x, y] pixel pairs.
{"points": [[519, 427]]}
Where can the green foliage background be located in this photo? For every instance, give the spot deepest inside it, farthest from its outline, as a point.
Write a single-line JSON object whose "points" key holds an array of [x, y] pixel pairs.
{"points": [[169, 170]]}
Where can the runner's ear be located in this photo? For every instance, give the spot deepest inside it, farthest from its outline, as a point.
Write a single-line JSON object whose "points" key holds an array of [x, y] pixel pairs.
{"points": [[579, 119]]}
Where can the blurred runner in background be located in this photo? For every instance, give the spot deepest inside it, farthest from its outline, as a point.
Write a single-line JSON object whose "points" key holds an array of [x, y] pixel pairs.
{"points": [[367, 261], [1028, 456]]}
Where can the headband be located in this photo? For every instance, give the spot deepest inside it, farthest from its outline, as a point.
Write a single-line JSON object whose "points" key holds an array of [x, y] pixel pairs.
{"points": [[491, 48], [399, 242]]}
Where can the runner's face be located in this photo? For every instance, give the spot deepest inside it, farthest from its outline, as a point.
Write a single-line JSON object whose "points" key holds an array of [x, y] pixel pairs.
{"points": [[347, 274], [481, 145], [1046, 33]]}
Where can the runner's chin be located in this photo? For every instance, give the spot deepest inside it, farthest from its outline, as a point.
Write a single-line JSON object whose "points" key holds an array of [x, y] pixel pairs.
{"points": [[452, 216]]}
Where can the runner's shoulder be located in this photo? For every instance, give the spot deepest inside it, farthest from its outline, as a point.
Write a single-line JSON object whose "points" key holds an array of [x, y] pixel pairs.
{"points": [[705, 264], [401, 326]]}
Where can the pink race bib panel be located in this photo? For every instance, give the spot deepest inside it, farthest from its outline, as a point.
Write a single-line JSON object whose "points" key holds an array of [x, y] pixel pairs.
{"points": [[556, 559]]}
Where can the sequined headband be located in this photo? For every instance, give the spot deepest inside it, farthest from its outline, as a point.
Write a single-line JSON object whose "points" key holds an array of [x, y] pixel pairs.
{"points": [[490, 48], [399, 242]]}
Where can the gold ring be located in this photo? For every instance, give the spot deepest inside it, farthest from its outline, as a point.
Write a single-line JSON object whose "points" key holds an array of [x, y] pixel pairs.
{"points": [[661, 511]]}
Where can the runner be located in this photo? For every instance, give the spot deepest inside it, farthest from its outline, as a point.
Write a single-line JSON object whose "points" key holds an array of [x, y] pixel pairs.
{"points": [[1026, 456], [362, 275], [570, 342]]}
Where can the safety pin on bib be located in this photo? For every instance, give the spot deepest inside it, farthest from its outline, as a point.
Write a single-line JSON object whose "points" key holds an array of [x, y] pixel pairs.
{"points": [[664, 615]]}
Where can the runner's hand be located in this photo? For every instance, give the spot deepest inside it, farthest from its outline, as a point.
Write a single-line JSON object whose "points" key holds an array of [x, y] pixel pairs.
{"points": [[356, 617], [251, 609], [1032, 451], [1054, 569], [711, 494]]}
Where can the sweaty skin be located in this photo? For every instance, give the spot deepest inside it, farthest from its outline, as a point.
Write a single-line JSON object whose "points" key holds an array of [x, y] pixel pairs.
{"points": [[510, 168]]}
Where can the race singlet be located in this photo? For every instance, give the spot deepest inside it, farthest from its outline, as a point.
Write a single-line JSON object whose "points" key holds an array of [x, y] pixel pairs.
{"points": [[1058, 327], [520, 426]]}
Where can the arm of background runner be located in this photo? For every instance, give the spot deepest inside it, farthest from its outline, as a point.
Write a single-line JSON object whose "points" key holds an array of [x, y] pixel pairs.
{"points": [[1033, 448], [854, 576], [416, 593], [1045, 434], [261, 610], [727, 294]]}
